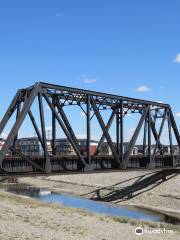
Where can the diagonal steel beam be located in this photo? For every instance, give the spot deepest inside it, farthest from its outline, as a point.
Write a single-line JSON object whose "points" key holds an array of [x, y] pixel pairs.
{"points": [[174, 127], [17, 114], [35, 127], [27, 104], [43, 130], [109, 123], [64, 128], [155, 134], [103, 127], [159, 134], [9, 112], [134, 137], [145, 136], [26, 158], [66, 122]]}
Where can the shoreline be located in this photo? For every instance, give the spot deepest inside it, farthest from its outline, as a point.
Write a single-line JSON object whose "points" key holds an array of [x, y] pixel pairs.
{"points": [[172, 214], [33, 219]]}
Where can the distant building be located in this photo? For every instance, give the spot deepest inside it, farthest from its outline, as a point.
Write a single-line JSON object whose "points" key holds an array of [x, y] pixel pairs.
{"points": [[83, 146], [165, 148], [32, 147], [64, 148], [106, 151], [29, 146]]}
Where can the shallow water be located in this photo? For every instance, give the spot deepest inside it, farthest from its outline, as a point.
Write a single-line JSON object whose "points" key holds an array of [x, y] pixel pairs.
{"points": [[92, 206], [99, 207]]}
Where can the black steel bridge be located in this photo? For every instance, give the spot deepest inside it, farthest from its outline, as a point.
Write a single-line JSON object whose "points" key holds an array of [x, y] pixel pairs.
{"points": [[58, 98]]}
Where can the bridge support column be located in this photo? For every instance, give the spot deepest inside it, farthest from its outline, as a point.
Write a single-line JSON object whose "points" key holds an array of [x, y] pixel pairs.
{"points": [[122, 134], [88, 133], [149, 138]]}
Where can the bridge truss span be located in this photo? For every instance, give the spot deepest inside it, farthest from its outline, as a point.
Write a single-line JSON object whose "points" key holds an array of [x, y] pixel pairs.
{"points": [[152, 118]]}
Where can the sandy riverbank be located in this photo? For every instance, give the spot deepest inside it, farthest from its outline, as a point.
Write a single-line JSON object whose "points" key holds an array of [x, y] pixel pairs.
{"points": [[165, 196], [24, 218]]}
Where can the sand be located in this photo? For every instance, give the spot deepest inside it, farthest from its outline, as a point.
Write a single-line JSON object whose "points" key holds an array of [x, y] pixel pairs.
{"points": [[25, 218]]}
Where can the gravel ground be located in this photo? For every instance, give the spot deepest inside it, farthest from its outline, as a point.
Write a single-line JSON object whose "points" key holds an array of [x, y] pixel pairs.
{"points": [[25, 218]]}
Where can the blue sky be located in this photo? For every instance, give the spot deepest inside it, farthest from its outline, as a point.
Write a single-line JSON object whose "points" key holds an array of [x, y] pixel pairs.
{"points": [[124, 47]]}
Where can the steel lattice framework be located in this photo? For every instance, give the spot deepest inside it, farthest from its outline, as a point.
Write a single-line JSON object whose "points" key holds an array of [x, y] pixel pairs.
{"points": [[58, 97]]}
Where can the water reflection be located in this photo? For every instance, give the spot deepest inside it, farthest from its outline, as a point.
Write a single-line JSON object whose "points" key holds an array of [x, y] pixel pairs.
{"points": [[29, 191], [77, 202]]}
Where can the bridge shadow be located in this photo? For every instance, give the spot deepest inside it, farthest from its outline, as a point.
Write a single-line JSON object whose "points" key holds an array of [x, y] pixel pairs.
{"points": [[141, 184]]}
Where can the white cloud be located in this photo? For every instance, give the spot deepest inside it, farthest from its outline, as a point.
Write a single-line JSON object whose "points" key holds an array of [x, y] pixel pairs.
{"points": [[143, 89], [177, 58], [178, 114], [88, 80], [59, 14]]}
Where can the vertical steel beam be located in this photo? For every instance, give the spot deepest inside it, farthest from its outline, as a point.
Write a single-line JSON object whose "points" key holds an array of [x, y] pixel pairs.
{"points": [[88, 129], [105, 132], [134, 137], [149, 137], [122, 133], [47, 166], [170, 139], [53, 143], [117, 131], [109, 123]]}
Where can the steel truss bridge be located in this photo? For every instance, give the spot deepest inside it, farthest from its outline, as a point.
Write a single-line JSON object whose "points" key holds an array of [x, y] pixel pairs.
{"points": [[58, 97]]}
